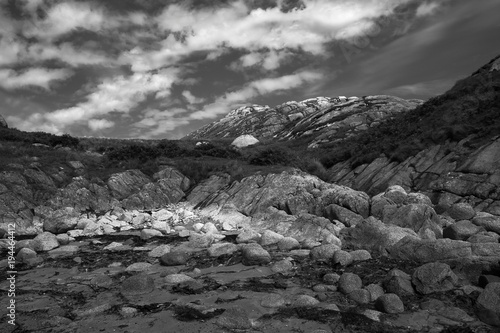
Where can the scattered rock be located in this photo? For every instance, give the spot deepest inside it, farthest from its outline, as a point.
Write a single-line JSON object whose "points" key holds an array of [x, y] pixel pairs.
{"points": [[488, 304], [282, 266], [45, 241], [138, 267], [434, 277], [137, 285], [324, 252], [305, 301], [254, 254], [288, 244], [349, 282], [220, 249], [150, 233], [270, 238], [343, 258], [361, 296], [177, 278], [159, 251], [272, 301], [461, 230], [461, 211], [174, 258], [389, 303]]}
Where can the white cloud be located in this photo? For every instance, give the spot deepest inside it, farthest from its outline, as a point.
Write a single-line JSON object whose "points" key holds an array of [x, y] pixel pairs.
{"points": [[237, 26], [266, 60], [427, 8], [232, 100], [119, 94], [66, 17], [41, 77], [100, 124], [192, 99]]}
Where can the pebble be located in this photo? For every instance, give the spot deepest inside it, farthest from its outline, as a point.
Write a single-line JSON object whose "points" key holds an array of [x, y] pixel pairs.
{"points": [[304, 301], [389, 303]]}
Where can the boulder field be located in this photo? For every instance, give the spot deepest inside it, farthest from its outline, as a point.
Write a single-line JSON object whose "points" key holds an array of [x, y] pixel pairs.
{"points": [[269, 253]]}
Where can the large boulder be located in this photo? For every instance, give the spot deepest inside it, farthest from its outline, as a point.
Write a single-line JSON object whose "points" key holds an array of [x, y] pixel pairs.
{"points": [[434, 277], [124, 184], [420, 218], [244, 141], [173, 176], [427, 250], [208, 187], [291, 191], [374, 235], [488, 304]]}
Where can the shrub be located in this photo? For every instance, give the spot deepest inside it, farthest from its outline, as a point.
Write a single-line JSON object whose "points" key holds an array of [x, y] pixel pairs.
{"points": [[274, 156]]}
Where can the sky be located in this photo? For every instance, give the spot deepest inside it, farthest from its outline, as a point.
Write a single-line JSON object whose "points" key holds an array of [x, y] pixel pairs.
{"points": [[160, 69]]}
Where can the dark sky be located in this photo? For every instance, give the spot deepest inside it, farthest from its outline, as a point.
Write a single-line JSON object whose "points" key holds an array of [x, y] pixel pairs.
{"points": [[160, 69]]}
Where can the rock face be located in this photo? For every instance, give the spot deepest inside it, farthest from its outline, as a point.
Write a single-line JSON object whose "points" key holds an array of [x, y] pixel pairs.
{"points": [[329, 119], [244, 141], [32, 199], [290, 191], [3, 123]]}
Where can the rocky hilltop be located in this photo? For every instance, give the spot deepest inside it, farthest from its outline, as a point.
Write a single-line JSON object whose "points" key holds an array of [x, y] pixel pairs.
{"points": [[325, 119]]}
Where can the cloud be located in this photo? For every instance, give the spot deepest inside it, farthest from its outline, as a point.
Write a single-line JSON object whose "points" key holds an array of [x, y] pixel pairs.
{"points": [[41, 77], [191, 99], [231, 100], [100, 124], [237, 26], [266, 60], [113, 95], [427, 8], [66, 17]]}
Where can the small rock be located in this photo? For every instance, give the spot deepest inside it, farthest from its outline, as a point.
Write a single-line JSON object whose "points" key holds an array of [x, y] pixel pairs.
{"points": [[174, 258], [399, 283], [343, 258], [254, 254], [310, 243], [210, 228], [234, 318], [248, 236], [198, 226], [488, 304], [375, 291], [137, 285], [461, 211], [434, 277], [138, 267], [361, 296], [282, 266], [45, 241], [349, 282], [270, 238], [128, 312], [360, 255], [150, 233], [305, 301], [177, 278], [63, 239], [288, 243], [25, 254], [300, 253], [272, 301], [28, 243], [101, 281], [220, 249], [389, 303], [159, 251], [63, 251], [200, 241], [461, 230], [331, 278], [324, 252]]}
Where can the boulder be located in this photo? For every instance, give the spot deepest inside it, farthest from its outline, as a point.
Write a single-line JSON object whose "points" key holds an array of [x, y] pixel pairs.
{"points": [[137, 285], [420, 218], [174, 177], [58, 221], [389, 303], [461, 211], [46, 241], [461, 230], [244, 141], [374, 236], [324, 252], [488, 221], [349, 282], [434, 277], [208, 187], [488, 304], [426, 250], [124, 184], [254, 254]]}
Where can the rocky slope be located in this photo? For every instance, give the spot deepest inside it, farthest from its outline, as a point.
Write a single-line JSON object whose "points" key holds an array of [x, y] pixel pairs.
{"points": [[454, 170], [324, 119]]}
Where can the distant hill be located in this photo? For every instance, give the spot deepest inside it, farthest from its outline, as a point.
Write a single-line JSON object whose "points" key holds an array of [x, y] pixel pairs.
{"points": [[317, 120]]}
